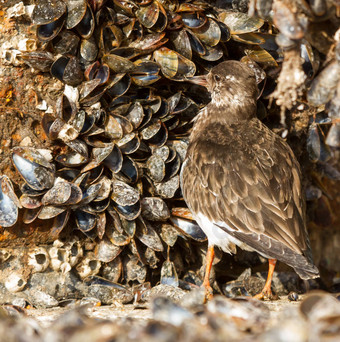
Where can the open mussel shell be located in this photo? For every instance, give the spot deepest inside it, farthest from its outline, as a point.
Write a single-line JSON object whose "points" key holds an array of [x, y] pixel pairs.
{"points": [[117, 63], [129, 143], [119, 85], [148, 15], [209, 33], [50, 211], [47, 11], [249, 38], [155, 168], [155, 209], [97, 70], [76, 10], [30, 215], [311, 60], [130, 170], [316, 145], [49, 31], [212, 54], [28, 191], [105, 189], [135, 114], [68, 174], [124, 123], [260, 56], [111, 37], [90, 193], [88, 49], [90, 93], [317, 148], [152, 15], [106, 251], [40, 60], [168, 274], [146, 73], [150, 42], [9, 203], [33, 167], [67, 69], [59, 224], [86, 26], [58, 194], [126, 199], [66, 43], [239, 22], [195, 44], [168, 188], [114, 160], [78, 146], [193, 20], [113, 128], [188, 228], [116, 237], [84, 220], [98, 155], [148, 236], [71, 159], [155, 133], [172, 164], [66, 109], [29, 202], [181, 42], [174, 65]]}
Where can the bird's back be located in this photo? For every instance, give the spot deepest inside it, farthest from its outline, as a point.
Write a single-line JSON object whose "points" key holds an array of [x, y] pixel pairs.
{"points": [[246, 180]]}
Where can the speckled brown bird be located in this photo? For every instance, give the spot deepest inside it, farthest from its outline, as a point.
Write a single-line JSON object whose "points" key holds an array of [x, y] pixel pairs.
{"points": [[241, 181]]}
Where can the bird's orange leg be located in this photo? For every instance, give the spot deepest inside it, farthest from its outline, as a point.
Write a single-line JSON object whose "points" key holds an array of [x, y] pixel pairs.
{"points": [[266, 293], [206, 283]]}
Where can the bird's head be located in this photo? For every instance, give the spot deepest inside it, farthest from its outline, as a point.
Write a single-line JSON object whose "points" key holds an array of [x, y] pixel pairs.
{"points": [[231, 84]]}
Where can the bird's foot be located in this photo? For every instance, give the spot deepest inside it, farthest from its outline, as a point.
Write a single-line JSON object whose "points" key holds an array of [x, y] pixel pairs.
{"points": [[266, 294], [209, 293]]}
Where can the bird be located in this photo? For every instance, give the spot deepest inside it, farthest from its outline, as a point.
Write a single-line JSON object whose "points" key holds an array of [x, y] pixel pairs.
{"points": [[241, 181]]}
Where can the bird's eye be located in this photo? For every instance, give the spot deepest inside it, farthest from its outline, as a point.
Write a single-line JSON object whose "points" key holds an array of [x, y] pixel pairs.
{"points": [[217, 78]]}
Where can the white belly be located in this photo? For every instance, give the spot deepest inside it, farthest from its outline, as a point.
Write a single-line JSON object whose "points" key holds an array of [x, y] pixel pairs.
{"points": [[219, 237]]}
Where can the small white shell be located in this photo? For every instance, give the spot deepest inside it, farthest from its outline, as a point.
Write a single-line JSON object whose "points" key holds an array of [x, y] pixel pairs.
{"points": [[76, 253], [58, 257], [15, 282], [38, 259], [89, 266]]}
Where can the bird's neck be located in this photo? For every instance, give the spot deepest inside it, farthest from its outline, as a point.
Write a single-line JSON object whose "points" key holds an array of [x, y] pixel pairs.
{"points": [[226, 112]]}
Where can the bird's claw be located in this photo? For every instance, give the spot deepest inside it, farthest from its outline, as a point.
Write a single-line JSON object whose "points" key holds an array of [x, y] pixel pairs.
{"points": [[266, 294], [208, 293]]}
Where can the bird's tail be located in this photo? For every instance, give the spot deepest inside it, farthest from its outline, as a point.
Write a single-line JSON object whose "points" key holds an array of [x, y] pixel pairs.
{"points": [[310, 271], [304, 266]]}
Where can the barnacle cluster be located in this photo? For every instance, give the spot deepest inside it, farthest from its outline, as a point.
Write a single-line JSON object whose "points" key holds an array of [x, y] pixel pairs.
{"points": [[119, 131]]}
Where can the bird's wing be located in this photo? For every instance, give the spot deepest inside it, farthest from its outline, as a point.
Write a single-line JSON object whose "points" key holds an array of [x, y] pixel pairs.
{"points": [[246, 178]]}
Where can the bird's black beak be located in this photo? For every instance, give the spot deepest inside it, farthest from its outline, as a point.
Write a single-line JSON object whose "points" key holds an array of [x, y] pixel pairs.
{"points": [[200, 80]]}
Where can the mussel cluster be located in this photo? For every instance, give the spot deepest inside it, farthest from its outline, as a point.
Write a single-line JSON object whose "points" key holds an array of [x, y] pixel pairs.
{"points": [[119, 131]]}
